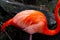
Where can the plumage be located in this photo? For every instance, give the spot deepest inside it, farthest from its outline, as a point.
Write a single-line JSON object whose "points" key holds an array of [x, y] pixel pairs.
{"points": [[33, 21]]}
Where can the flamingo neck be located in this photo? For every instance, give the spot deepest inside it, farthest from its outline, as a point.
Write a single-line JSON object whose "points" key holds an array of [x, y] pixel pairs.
{"points": [[56, 12], [51, 32], [57, 18]]}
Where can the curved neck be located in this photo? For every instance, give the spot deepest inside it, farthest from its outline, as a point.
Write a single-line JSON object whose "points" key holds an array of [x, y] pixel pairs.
{"points": [[56, 12], [57, 18], [51, 32]]}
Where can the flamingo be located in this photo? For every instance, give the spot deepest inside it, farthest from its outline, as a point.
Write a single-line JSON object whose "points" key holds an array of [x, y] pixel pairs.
{"points": [[33, 21]]}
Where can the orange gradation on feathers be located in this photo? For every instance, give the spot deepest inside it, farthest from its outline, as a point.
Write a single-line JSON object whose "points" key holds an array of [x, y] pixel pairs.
{"points": [[34, 18]]}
